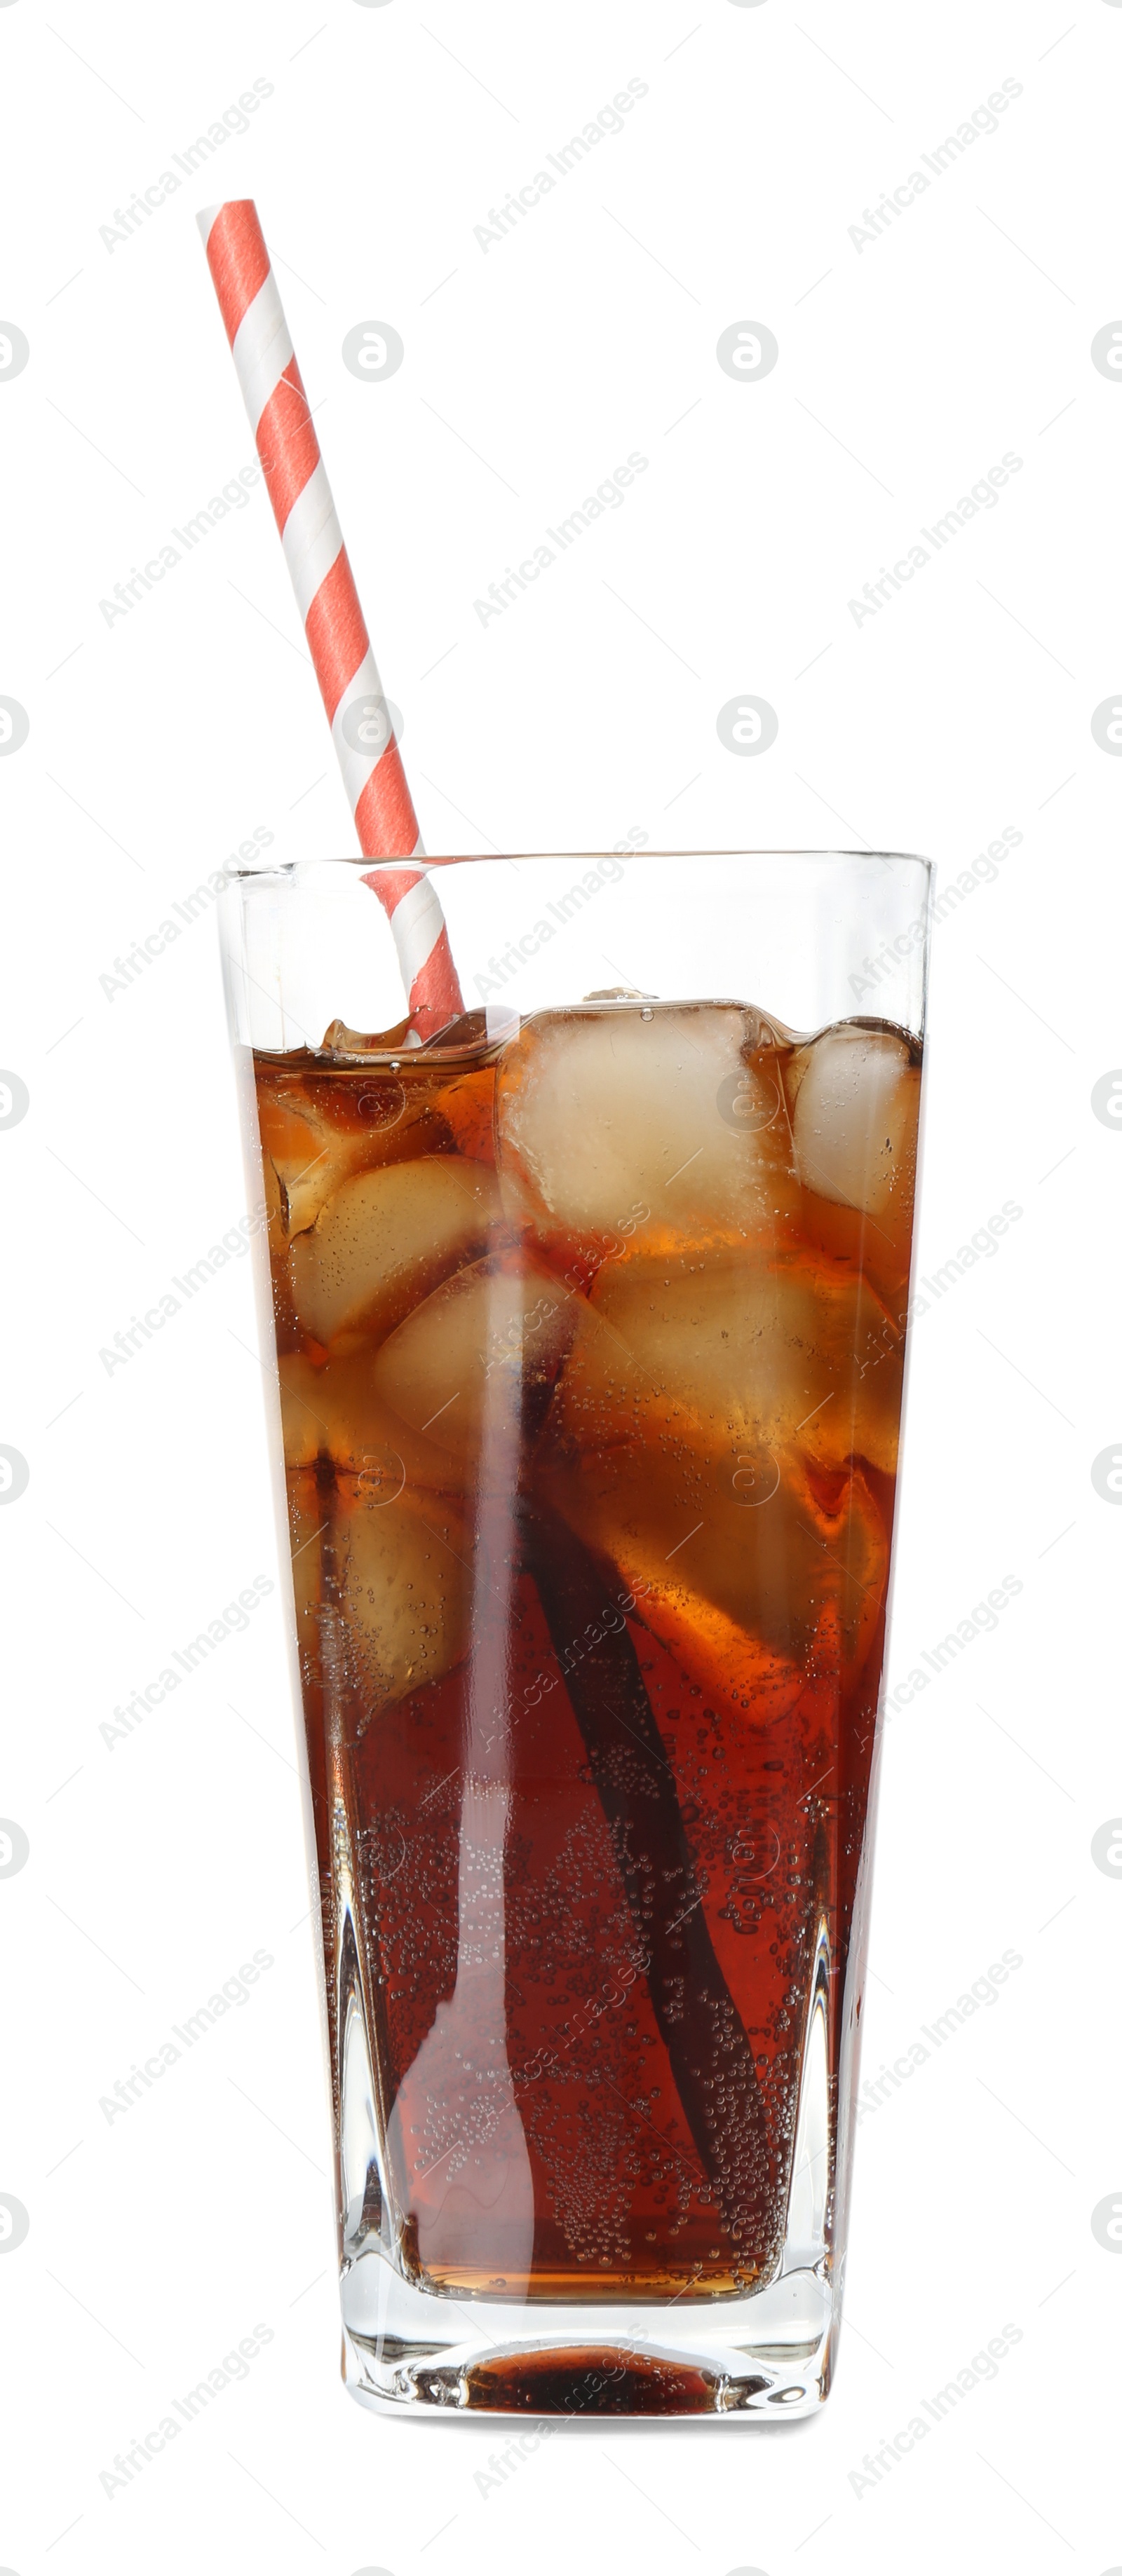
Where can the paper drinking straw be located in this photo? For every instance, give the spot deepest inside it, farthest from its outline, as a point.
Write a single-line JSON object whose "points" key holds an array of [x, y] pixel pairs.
{"points": [[328, 603]]}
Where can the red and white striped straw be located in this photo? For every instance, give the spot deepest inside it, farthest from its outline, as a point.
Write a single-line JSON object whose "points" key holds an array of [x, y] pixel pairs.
{"points": [[328, 601]]}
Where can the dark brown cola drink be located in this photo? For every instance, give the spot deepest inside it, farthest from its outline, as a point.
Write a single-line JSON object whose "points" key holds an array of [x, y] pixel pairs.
{"points": [[590, 1348]]}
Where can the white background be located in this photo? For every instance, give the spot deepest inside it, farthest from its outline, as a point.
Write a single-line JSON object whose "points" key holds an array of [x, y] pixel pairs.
{"points": [[907, 367]]}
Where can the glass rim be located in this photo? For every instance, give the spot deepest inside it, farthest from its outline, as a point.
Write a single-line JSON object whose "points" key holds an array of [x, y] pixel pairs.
{"points": [[236, 870]]}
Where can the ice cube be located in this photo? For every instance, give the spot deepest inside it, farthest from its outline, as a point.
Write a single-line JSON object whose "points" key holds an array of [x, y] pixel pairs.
{"points": [[317, 1133], [407, 1585], [749, 1595], [304, 1160], [385, 1239], [474, 1367], [856, 1115], [751, 1549], [333, 1411], [773, 1354], [652, 1119]]}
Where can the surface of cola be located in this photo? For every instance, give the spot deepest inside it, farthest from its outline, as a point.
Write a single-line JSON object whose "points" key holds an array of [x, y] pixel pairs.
{"points": [[590, 1346]]}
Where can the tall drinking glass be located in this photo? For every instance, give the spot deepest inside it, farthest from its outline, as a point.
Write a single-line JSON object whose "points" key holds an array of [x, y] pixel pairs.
{"points": [[589, 1320]]}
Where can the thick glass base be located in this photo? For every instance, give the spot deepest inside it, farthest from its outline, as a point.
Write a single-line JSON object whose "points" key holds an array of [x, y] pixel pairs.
{"points": [[766, 2355], [435, 2350]]}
